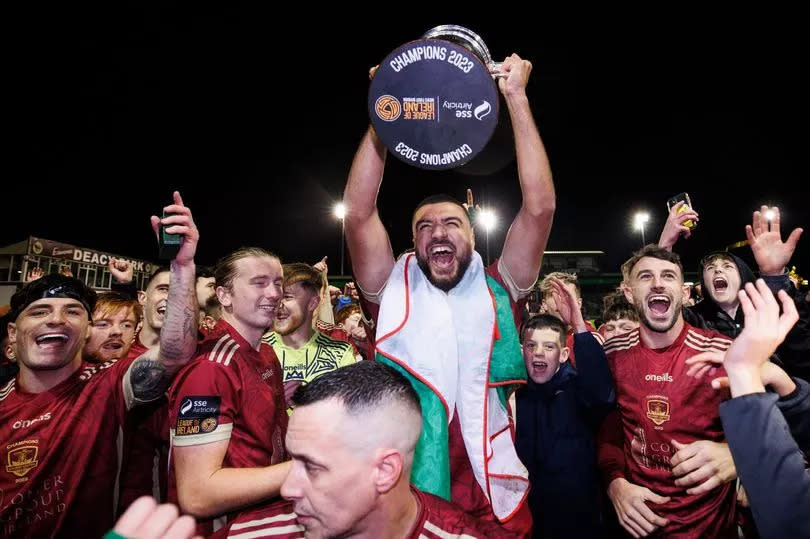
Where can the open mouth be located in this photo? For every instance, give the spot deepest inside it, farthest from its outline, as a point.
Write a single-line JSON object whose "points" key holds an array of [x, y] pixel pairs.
{"points": [[540, 367], [49, 341], [271, 309], [659, 305], [113, 346], [442, 254], [720, 284], [161, 310]]}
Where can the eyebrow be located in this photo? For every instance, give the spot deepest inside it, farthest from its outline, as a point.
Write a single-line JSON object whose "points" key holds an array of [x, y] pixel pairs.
{"points": [[444, 220], [305, 458], [527, 341], [51, 306]]}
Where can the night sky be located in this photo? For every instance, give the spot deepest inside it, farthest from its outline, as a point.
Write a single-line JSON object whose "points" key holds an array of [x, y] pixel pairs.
{"points": [[254, 117]]}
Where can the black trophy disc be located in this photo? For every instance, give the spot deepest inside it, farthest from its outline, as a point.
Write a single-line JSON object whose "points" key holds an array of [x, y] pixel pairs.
{"points": [[434, 104]]}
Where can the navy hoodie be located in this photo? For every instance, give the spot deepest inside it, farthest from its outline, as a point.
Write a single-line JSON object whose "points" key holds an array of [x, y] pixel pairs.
{"points": [[555, 425]]}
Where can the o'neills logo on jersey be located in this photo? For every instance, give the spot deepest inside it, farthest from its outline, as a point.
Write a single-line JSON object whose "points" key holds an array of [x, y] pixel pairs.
{"points": [[659, 377], [22, 423], [22, 457], [658, 409]]}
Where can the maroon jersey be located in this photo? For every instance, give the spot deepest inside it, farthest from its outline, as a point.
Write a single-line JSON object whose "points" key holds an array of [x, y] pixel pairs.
{"points": [[229, 392], [60, 460], [658, 402], [144, 468], [435, 519]]}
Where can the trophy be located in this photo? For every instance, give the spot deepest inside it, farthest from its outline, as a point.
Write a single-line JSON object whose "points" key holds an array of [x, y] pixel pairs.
{"points": [[434, 102]]}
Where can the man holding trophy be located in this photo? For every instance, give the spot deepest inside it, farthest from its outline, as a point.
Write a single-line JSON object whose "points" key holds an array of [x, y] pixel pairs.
{"points": [[443, 319]]}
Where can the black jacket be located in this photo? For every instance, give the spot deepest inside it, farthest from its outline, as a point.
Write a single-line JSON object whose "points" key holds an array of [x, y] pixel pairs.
{"points": [[708, 315], [793, 354], [768, 460], [555, 427]]}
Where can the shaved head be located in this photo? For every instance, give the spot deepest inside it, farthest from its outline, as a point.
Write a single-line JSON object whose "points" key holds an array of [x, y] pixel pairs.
{"points": [[352, 437]]}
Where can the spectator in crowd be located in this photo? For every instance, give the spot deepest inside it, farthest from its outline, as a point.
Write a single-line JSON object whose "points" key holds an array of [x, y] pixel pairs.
{"points": [[557, 415]]}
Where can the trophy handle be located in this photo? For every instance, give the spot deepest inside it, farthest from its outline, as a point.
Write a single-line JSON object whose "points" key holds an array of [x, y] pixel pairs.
{"points": [[470, 41]]}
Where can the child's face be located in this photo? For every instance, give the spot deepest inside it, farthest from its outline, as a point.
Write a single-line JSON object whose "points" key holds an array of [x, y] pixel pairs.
{"points": [[619, 326], [542, 354]]}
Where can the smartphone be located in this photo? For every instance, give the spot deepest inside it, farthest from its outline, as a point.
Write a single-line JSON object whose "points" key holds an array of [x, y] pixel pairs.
{"points": [[682, 197], [168, 244]]}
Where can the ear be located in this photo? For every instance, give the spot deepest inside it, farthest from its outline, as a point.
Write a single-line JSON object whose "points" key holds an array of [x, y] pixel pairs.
{"points": [[142, 298], [628, 292], [564, 354], [12, 333], [579, 303], [686, 292], [224, 296], [313, 303], [387, 470]]}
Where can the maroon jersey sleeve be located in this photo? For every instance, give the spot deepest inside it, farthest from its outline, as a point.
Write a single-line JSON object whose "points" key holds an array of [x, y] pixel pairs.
{"points": [[203, 402]]}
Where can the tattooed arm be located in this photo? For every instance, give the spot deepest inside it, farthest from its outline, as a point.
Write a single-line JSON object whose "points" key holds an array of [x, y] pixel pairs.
{"points": [[150, 375]]}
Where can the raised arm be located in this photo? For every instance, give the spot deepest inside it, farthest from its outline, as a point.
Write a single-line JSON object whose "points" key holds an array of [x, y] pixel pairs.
{"points": [[674, 228], [150, 375], [369, 246], [528, 235]]}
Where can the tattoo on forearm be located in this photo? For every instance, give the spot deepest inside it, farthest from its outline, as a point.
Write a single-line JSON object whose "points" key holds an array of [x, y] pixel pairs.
{"points": [[149, 379], [190, 322]]}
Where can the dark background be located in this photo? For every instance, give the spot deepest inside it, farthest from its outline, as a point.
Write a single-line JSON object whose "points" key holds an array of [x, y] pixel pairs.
{"points": [[254, 116]]}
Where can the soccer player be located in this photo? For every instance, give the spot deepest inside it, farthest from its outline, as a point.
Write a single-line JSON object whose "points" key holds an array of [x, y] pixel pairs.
{"points": [[352, 438], [60, 418], [304, 352], [667, 466], [227, 412], [439, 306], [112, 331]]}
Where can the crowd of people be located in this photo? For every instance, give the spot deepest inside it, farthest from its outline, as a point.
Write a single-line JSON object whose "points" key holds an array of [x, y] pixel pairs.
{"points": [[422, 400]]}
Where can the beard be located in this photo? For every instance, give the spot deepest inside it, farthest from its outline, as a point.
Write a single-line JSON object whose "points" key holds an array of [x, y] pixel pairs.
{"points": [[288, 325], [446, 283], [662, 327]]}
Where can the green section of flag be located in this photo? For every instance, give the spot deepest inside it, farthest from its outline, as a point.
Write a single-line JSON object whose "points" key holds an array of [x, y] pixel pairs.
{"points": [[431, 463]]}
